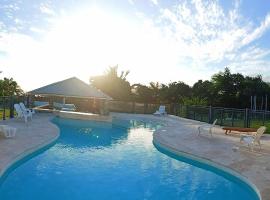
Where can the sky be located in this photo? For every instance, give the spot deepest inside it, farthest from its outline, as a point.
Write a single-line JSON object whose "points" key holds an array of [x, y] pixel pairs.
{"points": [[44, 41]]}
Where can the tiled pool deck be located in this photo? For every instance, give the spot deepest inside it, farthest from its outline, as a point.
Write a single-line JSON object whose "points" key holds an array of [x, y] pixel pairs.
{"points": [[179, 135], [29, 137]]}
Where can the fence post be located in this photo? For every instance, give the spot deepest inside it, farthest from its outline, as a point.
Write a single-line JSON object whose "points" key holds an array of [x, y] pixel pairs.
{"points": [[264, 117], [247, 118], [187, 111], [27, 101], [4, 109], [210, 115], [133, 106], [222, 114], [144, 108], [174, 109], [11, 107], [232, 117]]}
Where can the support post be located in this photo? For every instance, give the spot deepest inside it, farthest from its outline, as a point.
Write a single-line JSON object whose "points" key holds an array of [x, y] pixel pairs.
{"points": [[247, 118], [4, 108], [11, 107], [210, 115]]}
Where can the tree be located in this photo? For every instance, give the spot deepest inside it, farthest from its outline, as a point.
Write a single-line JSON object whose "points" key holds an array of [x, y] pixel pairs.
{"points": [[143, 93], [194, 101], [113, 84], [203, 90], [155, 87], [9, 87], [174, 92], [227, 88]]}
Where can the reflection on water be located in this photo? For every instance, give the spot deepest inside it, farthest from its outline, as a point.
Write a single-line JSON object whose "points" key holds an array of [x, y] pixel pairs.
{"points": [[116, 160]]}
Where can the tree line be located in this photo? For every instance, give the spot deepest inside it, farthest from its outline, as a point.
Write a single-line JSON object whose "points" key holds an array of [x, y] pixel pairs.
{"points": [[9, 87], [224, 89]]}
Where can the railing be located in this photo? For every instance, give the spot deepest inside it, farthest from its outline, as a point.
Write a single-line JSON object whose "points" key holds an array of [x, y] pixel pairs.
{"points": [[7, 105], [226, 116], [134, 107]]}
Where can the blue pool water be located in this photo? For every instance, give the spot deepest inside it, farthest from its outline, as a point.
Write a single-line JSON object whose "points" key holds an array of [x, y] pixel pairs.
{"points": [[115, 161]]}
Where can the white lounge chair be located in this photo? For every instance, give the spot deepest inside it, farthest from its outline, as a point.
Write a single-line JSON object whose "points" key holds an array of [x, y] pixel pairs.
{"points": [[64, 107], [252, 140], [207, 127], [8, 131], [21, 113], [160, 111], [69, 107], [26, 109]]}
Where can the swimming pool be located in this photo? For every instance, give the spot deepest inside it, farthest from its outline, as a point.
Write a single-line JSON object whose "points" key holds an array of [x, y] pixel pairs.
{"points": [[92, 160]]}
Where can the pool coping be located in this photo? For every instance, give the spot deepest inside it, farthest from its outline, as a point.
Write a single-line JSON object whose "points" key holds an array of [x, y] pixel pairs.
{"points": [[31, 150], [208, 162], [165, 144]]}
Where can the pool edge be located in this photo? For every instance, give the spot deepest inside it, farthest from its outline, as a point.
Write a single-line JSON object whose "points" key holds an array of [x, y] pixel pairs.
{"points": [[207, 162], [31, 150]]}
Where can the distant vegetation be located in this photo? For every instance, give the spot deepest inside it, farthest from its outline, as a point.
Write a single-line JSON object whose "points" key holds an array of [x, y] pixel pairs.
{"points": [[9, 87], [224, 89]]}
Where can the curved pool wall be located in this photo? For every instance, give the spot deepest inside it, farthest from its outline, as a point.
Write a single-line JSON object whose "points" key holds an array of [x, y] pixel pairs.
{"points": [[30, 152], [207, 165], [25, 157], [183, 157]]}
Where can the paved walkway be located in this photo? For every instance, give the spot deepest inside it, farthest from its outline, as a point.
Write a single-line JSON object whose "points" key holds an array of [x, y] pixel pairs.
{"points": [[180, 135], [29, 138]]}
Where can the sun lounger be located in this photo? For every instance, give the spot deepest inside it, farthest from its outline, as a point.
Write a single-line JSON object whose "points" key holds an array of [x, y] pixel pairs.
{"points": [[160, 111], [64, 107], [252, 140], [21, 113], [28, 110], [207, 127]]}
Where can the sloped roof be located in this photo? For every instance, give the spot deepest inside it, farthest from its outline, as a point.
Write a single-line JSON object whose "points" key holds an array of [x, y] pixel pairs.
{"points": [[72, 87]]}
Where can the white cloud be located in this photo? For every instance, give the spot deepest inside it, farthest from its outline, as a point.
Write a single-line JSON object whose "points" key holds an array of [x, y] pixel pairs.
{"points": [[258, 32], [131, 2], [46, 9], [155, 2], [208, 36], [187, 42]]}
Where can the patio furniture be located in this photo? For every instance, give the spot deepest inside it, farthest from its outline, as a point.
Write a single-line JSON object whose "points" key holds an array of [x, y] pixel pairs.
{"points": [[252, 140], [64, 107], [207, 127], [69, 107], [26, 109], [21, 113], [239, 129], [160, 111], [8, 131]]}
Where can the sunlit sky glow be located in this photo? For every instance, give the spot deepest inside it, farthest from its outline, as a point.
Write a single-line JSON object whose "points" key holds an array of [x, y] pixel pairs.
{"points": [[43, 41]]}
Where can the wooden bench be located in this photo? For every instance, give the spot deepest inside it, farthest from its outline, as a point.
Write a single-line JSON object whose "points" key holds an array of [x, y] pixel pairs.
{"points": [[239, 129]]}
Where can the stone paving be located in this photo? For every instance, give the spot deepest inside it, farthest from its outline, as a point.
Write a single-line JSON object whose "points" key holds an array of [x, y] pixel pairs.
{"points": [[29, 137], [181, 135]]}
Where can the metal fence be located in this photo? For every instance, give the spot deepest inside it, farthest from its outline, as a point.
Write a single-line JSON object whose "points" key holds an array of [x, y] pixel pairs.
{"points": [[226, 116], [7, 105]]}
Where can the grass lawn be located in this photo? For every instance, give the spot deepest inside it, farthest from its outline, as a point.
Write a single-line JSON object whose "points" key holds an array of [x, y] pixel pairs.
{"points": [[7, 113], [257, 124]]}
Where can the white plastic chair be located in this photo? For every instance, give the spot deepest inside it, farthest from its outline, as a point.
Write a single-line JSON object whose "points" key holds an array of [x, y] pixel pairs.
{"points": [[207, 127], [252, 140], [21, 113], [26, 109], [161, 111]]}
